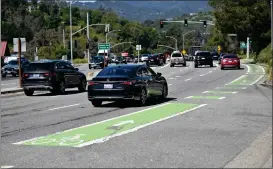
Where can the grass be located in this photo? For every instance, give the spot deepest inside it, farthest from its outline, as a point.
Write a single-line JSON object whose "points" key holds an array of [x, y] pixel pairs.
{"points": [[80, 61], [265, 57]]}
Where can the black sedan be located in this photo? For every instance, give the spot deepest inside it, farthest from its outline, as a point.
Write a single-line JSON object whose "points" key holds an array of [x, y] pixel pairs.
{"points": [[97, 62], [121, 59], [126, 82]]}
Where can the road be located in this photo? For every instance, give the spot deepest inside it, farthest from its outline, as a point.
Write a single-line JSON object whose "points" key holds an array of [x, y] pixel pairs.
{"points": [[209, 118]]}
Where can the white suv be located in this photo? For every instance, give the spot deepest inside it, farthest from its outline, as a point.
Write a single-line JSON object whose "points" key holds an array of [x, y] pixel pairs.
{"points": [[177, 58]]}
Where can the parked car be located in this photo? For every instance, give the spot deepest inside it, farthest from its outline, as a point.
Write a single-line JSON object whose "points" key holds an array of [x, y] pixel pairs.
{"points": [[53, 75], [127, 82], [230, 61], [177, 58], [203, 58], [214, 55], [144, 57]]}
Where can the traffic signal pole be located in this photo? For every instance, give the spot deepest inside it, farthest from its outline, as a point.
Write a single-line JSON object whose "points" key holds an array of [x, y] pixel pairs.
{"points": [[19, 63], [247, 47]]}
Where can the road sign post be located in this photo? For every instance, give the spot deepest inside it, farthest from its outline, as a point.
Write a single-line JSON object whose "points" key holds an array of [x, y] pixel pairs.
{"points": [[19, 62], [138, 48], [247, 47]]}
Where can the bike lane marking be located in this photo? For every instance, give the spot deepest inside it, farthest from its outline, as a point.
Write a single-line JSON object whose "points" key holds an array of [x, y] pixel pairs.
{"points": [[205, 97], [102, 131], [222, 92]]}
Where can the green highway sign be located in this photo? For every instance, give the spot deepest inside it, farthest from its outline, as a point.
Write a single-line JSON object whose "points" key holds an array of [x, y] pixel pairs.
{"points": [[104, 46], [242, 45]]}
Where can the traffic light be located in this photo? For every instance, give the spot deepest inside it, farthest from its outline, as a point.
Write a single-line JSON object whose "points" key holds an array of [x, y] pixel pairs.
{"points": [[218, 47], [161, 24], [185, 22], [205, 24], [75, 44]]}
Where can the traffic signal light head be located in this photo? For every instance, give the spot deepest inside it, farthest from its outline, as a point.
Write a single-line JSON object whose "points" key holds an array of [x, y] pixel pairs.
{"points": [[185, 22], [205, 24], [161, 24]]}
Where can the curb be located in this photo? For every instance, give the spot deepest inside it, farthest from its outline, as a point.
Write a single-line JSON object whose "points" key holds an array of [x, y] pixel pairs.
{"points": [[12, 91]]}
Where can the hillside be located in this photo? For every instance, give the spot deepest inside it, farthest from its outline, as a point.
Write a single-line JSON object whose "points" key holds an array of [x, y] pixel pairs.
{"points": [[150, 10]]}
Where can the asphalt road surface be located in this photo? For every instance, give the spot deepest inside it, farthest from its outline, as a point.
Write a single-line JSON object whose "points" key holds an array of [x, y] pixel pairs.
{"points": [[210, 117]]}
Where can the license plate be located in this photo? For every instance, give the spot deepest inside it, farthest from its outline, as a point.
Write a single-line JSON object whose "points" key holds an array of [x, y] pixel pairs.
{"points": [[8, 72], [36, 75], [152, 59], [108, 86], [230, 61]]}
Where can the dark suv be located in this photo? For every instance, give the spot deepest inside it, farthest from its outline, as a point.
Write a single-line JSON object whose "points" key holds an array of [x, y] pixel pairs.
{"points": [[52, 75], [155, 59], [203, 58]]}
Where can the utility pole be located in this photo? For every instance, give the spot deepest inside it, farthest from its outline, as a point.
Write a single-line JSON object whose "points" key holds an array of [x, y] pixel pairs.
{"points": [[247, 47], [271, 24], [19, 63], [88, 36], [64, 37], [71, 42]]}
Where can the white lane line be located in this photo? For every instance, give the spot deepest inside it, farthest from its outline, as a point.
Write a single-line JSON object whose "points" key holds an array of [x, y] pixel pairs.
{"points": [[164, 66], [8, 84], [171, 78], [64, 107], [188, 79], [236, 79], [221, 98], [175, 67], [137, 128], [177, 76], [7, 166], [231, 88], [248, 68], [210, 72], [256, 81], [169, 84], [88, 125], [202, 74], [205, 92], [188, 97], [262, 68], [181, 70]]}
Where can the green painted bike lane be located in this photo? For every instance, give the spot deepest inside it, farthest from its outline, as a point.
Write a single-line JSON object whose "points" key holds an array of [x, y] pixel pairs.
{"points": [[255, 73], [104, 130]]}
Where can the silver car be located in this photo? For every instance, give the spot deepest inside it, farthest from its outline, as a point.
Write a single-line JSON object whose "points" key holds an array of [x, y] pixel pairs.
{"points": [[177, 58]]}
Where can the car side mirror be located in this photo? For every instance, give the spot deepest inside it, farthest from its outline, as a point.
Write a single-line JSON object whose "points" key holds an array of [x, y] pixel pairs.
{"points": [[76, 69], [159, 74]]}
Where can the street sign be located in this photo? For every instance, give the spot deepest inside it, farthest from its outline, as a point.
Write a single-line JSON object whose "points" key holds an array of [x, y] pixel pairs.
{"points": [[138, 47], [242, 45], [104, 46], [23, 45]]}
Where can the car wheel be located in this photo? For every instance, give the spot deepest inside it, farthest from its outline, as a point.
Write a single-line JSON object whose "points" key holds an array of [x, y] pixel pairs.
{"points": [[4, 75], [195, 65], [222, 68], [185, 64], [82, 86], [143, 97], [28, 92], [239, 67], [13, 74], [96, 103], [61, 88], [211, 64], [90, 67], [164, 91]]}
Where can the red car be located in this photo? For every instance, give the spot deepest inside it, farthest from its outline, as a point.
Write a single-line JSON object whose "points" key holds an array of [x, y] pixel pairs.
{"points": [[230, 61]]}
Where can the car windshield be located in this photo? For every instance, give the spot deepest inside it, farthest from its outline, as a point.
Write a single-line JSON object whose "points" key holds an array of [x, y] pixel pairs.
{"points": [[98, 58], [13, 62], [230, 56], [175, 55], [40, 66], [117, 71], [203, 54]]}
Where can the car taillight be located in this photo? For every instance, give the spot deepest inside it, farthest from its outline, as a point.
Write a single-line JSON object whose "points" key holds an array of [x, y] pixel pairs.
{"points": [[128, 82], [224, 60], [235, 60], [49, 74], [26, 75], [90, 83]]}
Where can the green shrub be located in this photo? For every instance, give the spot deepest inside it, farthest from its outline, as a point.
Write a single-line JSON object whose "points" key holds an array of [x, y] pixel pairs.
{"points": [[265, 55], [80, 61]]}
